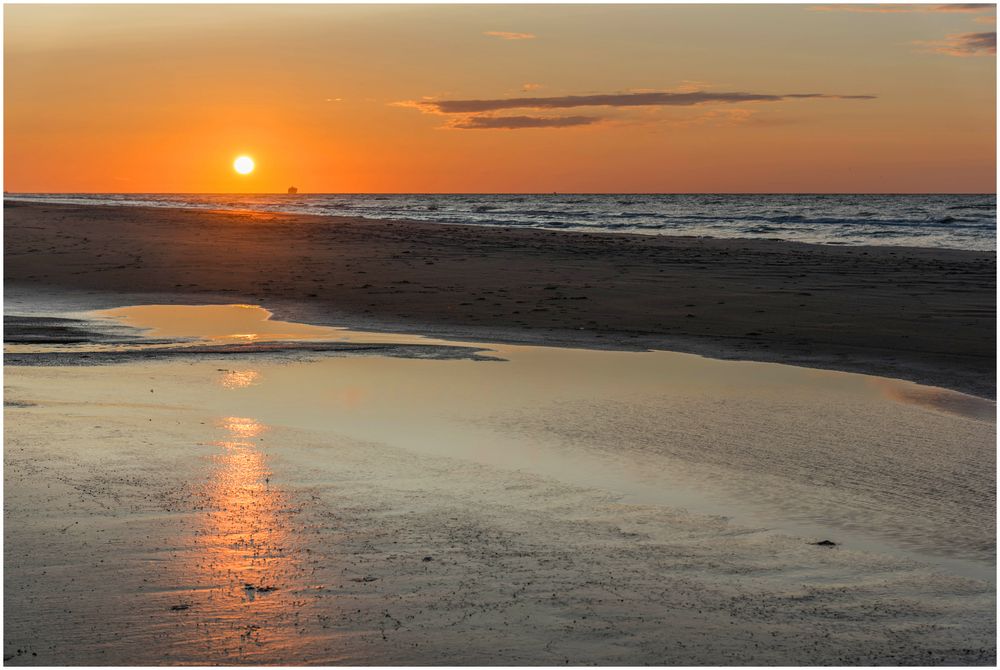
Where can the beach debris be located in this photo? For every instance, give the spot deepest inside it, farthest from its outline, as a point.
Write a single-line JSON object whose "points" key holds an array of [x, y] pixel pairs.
{"points": [[181, 607], [366, 578], [825, 543], [251, 590], [428, 558]]}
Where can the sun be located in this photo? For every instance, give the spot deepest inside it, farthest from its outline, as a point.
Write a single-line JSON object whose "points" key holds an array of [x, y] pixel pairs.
{"points": [[243, 165]]}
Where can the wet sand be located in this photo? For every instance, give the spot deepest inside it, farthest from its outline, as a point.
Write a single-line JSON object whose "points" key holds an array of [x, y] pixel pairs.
{"points": [[550, 506], [918, 314]]}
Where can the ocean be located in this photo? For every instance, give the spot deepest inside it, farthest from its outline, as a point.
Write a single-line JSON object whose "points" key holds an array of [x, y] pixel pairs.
{"points": [[938, 220]]}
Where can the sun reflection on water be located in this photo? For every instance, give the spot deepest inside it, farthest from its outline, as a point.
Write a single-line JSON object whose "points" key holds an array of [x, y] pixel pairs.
{"points": [[238, 379], [243, 427], [245, 546]]}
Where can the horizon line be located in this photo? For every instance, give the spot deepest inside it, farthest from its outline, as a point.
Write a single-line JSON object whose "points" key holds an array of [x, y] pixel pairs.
{"points": [[413, 193]]}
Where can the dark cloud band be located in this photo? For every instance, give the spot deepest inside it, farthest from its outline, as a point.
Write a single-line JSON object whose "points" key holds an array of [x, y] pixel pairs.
{"points": [[659, 98], [966, 44]]}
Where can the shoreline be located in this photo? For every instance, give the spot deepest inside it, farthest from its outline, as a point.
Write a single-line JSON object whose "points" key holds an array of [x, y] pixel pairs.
{"points": [[15, 201], [920, 314]]}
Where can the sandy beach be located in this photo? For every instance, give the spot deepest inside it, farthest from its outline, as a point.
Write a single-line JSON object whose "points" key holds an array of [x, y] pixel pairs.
{"points": [[925, 315], [446, 445], [411, 503]]}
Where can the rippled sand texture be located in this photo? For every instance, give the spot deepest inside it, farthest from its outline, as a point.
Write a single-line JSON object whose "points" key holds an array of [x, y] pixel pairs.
{"points": [[556, 506]]}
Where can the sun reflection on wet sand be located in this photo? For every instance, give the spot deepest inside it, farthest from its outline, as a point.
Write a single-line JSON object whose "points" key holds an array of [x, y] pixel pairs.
{"points": [[242, 427], [244, 553], [241, 324], [238, 379]]}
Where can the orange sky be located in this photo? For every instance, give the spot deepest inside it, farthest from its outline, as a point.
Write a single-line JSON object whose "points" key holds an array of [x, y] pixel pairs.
{"points": [[379, 98]]}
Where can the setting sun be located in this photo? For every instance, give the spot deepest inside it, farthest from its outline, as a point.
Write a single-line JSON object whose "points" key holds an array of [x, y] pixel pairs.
{"points": [[243, 165]]}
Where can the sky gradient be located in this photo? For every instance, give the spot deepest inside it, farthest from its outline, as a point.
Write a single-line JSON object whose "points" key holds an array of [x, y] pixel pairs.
{"points": [[515, 98]]}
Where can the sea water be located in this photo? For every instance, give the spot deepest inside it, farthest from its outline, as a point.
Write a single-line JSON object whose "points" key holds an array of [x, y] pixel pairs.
{"points": [[939, 221]]}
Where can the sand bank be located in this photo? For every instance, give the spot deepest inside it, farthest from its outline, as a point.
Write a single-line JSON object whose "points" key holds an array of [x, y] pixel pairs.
{"points": [[919, 314]]}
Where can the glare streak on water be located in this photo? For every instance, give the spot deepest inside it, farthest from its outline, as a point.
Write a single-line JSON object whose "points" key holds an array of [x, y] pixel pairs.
{"points": [[934, 220]]}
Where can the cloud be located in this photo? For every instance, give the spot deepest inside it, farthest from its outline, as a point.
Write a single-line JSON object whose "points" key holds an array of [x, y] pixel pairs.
{"points": [[510, 36], [646, 99], [531, 87], [481, 114], [901, 9], [970, 7], [486, 122], [965, 44]]}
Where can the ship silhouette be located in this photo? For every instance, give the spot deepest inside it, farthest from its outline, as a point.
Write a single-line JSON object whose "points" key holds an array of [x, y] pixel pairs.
{"points": [[292, 190]]}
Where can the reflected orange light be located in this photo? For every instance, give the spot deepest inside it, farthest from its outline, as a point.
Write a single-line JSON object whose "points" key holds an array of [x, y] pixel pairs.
{"points": [[243, 427], [238, 379], [244, 556]]}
